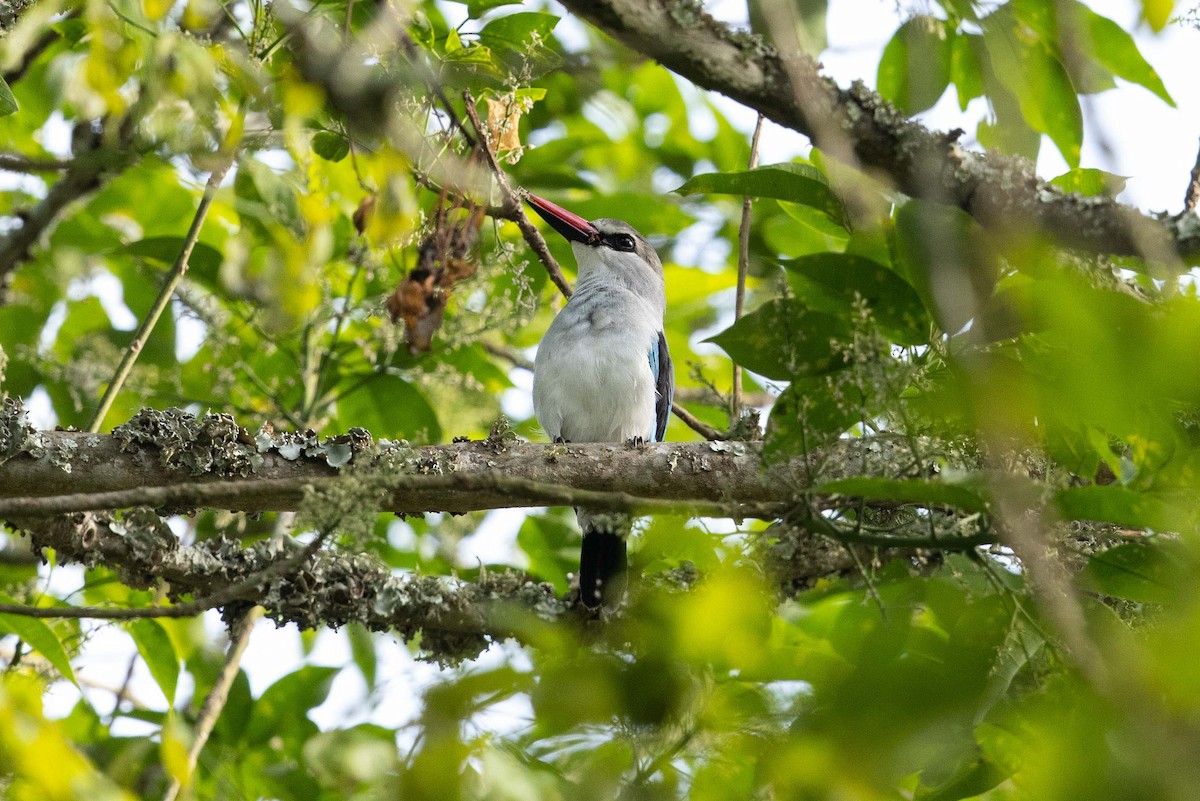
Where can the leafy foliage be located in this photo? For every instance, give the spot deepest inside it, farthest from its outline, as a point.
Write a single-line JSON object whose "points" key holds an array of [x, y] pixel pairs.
{"points": [[994, 596]]}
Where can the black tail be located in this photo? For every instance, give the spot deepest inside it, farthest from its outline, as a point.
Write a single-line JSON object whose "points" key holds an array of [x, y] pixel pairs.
{"points": [[602, 567]]}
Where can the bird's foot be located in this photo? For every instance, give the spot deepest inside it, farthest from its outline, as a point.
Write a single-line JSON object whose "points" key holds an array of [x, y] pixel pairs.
{"points": [[635, 442]]}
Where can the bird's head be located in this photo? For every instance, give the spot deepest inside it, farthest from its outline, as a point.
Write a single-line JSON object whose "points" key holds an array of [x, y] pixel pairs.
{"points": [[608, 244]]}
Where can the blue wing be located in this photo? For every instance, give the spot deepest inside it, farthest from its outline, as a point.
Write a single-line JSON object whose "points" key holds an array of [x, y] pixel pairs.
{"points": [[664, 385]]}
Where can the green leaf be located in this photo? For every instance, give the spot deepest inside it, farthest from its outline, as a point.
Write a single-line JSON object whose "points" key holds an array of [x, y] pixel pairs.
{"points": [[158, 652], [964, 69], [1029, 69], [1116, 50], [795, 183], [268, 195], [802, 231], [972, 777], [925, 493], [1157, 13], [551, 545], [942, 254], [518, 31], [1146, 572], [831, 283], [388, 406], [477, 8], [782, 339], [204, 264], [363, 756], [963, 9], [283, 708], [1123, 506], [1089, 182], [330, 145], [810, 413], [668, 542], [362, 649], [84, 317], [38, 636], [915, 68], [808, 16], [8, 103]]}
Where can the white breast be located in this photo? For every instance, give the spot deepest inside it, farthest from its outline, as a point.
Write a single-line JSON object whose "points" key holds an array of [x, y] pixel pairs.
{"points": [[592, 380]]}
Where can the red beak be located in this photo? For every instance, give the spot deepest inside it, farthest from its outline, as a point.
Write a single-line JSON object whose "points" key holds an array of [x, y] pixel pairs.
{"points": [[569, 224]]}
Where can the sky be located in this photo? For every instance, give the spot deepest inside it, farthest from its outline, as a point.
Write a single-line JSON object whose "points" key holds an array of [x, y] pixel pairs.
{"points": [[1128, 131]]}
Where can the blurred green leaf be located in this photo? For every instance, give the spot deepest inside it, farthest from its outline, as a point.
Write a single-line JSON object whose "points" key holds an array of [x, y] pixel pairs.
{"points": [[1157, 12], [38, 636], [915, 68], [388, 406], [965, 495], [345, 759], [942, 254], [1122, 505], [8, 103], [1090, 182], [362, 649], [1116, 50], [282, 709], [813, 411], [204, 263], [668, 542], [971, 777], [552, 547], [1030, 70], [783, 338], [519, 30], [807, 19], [833, 282], [477, 8], [158, 652], [1153, 572], [964, 69], [330, 145], [795, 183]]}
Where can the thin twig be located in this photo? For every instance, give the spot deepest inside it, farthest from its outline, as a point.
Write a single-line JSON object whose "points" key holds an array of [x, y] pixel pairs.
{"points": [[739, 305], [511, 207], [214, 702], [415, 58], [509, 355], [31, 55], [233, 592], [164, 297], [13, 162]]}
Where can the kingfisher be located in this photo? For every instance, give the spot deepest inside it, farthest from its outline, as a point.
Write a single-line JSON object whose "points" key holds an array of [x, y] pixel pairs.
{"points": [[603, 372]]}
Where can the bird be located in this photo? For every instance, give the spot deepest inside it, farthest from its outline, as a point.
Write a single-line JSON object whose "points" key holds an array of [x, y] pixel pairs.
{"points": [[603, 371]]}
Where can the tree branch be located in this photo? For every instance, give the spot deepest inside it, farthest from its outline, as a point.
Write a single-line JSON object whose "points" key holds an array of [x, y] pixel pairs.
{"points": [[84, 174], [60, 471], [1000, 192], [456, 619]]}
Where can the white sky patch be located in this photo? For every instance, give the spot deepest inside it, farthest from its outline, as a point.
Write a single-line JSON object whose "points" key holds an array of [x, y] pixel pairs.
{"points": [[494, 541]]}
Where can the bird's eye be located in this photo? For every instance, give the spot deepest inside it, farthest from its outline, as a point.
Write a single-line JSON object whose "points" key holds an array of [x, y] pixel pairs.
{"points": [[621, 242]]}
